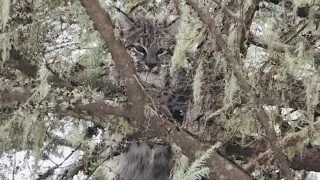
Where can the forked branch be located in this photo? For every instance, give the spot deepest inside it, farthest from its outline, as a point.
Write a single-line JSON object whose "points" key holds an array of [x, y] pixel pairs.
{"points": [[156, 126], [244, 84]]}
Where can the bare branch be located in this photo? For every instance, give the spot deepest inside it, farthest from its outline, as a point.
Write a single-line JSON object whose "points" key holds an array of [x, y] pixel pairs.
{"points": [[122, 59], [247, 21], [50, 171], [309, 160], [297, 32], [276, 46], [98, 108], [73, 170], [252, 163], [226, 10], [16, 61]]}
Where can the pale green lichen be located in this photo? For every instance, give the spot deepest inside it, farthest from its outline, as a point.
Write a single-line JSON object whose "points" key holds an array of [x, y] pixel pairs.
{"points": [[126, 128], [269, 33], [28, 123], [4, 15], [187, 35], [303, 138], [232, 38], [148, 111], [5, 46], [230, 90], [311, 84], [197, 83], [43, 89], [38, 136]]}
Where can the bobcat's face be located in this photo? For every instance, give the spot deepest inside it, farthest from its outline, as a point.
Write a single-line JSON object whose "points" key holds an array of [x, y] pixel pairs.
{"points": [[151, 40]]}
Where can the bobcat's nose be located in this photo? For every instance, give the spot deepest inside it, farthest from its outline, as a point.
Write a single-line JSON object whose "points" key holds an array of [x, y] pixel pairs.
{"points": [[151, 65]]}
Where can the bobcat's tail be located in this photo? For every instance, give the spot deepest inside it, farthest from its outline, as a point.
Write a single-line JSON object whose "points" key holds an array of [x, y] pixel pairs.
{"points": [[142, 163]]}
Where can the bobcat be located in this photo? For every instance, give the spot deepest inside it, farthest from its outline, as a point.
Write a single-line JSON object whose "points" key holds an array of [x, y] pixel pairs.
{"points": [[151, 42]]}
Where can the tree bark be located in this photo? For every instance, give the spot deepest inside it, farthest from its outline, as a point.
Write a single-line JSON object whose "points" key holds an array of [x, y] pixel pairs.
{"points": [[153, 125]]}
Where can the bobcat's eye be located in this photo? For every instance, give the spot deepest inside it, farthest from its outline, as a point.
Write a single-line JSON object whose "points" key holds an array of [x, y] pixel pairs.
{"points": [[171, 50], [140, 49], [161, 51]]}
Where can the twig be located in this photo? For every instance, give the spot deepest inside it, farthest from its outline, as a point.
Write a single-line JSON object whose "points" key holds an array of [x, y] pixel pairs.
{"points": [[217, 112], [137, 100], [50, 171], [276, 46], [143, 89], [259, 112], [227, 10], [111, 154], [296, 33], [252, 163]]}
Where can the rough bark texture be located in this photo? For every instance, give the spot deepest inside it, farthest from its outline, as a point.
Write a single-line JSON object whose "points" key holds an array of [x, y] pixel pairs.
{"points": [[139, 109], [157, 127]]}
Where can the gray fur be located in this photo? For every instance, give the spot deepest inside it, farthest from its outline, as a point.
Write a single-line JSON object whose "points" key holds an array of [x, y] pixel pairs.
{"points": [[151, 43], [141, 164]]}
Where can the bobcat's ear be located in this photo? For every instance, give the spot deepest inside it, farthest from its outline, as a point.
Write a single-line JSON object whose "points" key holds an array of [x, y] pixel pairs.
{"points": [[172, 19], [124, 20], [172, 24]]}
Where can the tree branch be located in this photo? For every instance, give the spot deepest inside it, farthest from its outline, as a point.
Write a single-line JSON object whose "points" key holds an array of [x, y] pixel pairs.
{"points": [[153, 126], [118, 52], [309, 160], [247, 21], [276, 46], [16, 61], [51, 170], [99, 107], [261, 114]]}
